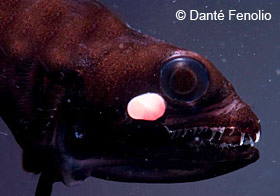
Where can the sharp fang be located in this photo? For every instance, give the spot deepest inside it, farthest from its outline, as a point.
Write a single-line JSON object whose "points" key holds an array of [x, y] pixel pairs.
{"points": [[212, 136], [251, 141], [221, 134], [168, 130], [242, 139], [222, 130], [258, 135], [232, 131], [185, 132]]}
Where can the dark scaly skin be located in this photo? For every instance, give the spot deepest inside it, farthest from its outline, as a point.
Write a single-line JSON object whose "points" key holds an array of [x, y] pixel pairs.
{"points": [[60, 58]]}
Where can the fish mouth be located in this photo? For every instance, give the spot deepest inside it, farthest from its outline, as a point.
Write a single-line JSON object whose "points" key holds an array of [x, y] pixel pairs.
{"points": [[192, 154], [153, 153]]}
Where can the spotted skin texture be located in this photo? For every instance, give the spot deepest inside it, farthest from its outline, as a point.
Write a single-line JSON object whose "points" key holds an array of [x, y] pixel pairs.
{"points": [[68, 69]]}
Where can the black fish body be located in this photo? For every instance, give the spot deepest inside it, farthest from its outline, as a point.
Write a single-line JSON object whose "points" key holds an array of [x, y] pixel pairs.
{"points": [[69, 69]]}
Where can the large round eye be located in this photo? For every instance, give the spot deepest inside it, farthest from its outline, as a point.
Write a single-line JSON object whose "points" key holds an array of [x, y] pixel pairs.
{"points": [[184, 79]]}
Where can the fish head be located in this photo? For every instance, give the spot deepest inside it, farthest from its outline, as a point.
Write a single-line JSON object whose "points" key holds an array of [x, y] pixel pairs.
{"points": [[196, 126]]}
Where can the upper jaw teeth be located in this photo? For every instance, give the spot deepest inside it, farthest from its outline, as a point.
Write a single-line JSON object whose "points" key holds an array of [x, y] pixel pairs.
{"points": [[258, 135], [242, 139], [245, 138]]}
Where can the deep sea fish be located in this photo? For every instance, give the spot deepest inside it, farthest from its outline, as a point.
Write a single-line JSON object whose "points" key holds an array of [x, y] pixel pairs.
{"points": [[85, 95]]}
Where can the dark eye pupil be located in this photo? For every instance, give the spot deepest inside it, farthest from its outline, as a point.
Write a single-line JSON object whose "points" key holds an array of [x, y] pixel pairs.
{"points": [[183, 81]]}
